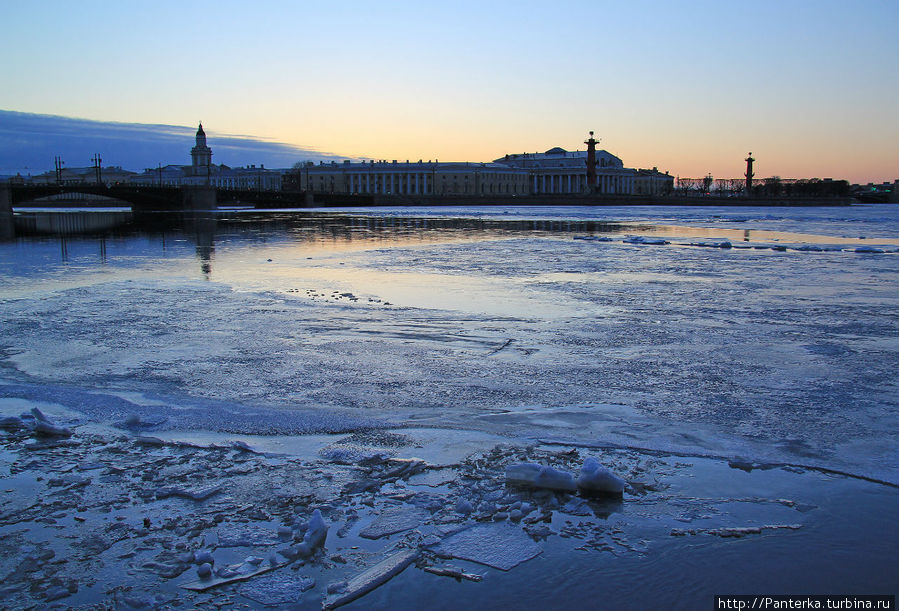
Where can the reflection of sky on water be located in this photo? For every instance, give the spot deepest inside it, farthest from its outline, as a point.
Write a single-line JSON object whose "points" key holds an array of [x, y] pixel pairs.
{"points": [[270, 251]]}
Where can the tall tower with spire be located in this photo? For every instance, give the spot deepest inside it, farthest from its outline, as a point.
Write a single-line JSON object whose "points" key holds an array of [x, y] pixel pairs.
{"points": [[201, 155]]}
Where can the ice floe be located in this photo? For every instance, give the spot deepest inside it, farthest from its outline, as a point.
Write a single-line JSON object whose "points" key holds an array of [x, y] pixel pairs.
{"points": [[500, 546], [370, 579], [394, 520], [640, 239]]}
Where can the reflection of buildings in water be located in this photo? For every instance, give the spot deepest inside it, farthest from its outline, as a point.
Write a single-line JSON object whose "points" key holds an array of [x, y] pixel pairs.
{"points": [[70, 223], [332, 228], [204, 253], [7, 228], [203, 227]]}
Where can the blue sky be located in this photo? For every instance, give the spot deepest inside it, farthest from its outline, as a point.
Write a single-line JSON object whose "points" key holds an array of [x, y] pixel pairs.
{"points": [[690, 87]]}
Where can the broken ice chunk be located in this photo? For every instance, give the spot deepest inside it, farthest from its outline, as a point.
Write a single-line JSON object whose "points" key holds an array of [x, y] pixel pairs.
{"points": [[11, 423], [315, 534], [596, 478], [45, 426], [277, 589], [394, 520], [464, 507], [639, 239], [540, 476], [240, 573], [499, 545], [369, 580]]}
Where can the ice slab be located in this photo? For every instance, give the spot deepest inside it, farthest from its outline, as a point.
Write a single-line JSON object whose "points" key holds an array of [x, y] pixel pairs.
{"points": [[394, 520], [370, 579], [241, 572], [279, 588], [500, 546], [639, 239]]}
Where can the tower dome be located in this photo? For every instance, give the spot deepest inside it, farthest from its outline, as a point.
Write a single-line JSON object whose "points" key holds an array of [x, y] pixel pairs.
{"points": [[201, 135]]}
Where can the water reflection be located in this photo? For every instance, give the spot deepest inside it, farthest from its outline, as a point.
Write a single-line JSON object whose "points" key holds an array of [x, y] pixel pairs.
{"points": [[202, 226], [69, 222], [118, 235]]}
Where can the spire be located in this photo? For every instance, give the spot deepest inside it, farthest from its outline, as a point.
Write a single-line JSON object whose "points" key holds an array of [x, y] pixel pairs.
{"points": [[201, 136]]}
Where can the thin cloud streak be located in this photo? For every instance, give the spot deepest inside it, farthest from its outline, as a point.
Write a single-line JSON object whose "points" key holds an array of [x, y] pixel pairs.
{"points": [[29, 142]]}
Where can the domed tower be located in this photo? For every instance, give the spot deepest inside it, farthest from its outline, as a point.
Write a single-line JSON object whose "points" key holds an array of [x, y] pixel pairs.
{"points": [[201, 155]]}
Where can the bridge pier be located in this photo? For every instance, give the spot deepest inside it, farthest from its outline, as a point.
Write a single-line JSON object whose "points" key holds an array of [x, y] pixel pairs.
{"points": [[7, 228], [199, 198]]}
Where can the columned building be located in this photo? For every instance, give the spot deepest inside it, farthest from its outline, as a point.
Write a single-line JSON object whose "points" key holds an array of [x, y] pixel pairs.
{"points": [[653, 182], [556, 171], [412, 178], [561, 171]]}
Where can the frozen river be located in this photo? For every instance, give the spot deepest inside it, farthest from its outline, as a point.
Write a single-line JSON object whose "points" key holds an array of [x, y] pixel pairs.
{"points": [[781, 348], [736, 365]]}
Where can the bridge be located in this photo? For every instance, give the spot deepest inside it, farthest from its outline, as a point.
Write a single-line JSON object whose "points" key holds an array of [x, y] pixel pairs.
{"points": [[151, 199]]}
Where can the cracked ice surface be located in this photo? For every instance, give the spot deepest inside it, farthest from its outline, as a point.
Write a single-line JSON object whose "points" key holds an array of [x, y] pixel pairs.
{"points": [[441, 349], [772, 356]]}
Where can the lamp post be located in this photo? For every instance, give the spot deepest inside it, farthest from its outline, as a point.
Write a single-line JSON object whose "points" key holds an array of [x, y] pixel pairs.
{"points": [[96, 159]]}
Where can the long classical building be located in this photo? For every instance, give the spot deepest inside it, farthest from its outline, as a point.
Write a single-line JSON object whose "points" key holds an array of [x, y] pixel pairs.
{"points": [[556, 171], [413, 178]]}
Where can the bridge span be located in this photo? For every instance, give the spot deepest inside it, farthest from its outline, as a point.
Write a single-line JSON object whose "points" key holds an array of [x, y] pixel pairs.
{"points": [[150, 199]]}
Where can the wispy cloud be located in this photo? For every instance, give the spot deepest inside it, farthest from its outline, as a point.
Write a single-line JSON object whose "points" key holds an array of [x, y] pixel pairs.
{"points": [[29, 142]]}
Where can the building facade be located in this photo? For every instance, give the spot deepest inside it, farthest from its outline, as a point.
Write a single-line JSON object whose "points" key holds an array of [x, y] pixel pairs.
{"points": [[412, 178], [653, 182], [561, 171], [202, 171], [109, 176], [556, 171]]}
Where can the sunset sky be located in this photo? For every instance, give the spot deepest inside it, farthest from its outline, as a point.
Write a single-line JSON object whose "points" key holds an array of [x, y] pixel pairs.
{"points": [[809, 86]]}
